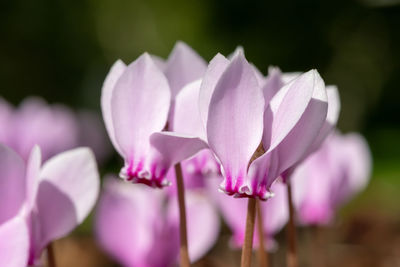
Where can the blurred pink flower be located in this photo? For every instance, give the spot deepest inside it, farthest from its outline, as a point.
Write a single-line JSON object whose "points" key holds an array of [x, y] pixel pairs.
{"points": [[138, 226], [55, 197], [55, 128], [330, 177]]}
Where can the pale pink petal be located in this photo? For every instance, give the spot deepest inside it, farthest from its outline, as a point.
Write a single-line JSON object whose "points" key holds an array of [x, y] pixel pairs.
{"points": [[12, 183], [33, 176], [331, 118], [275, 210], [186, 115], [14, 243], [125, 218], [183, 66], [287, 107], [160, 62], [176, 147], [106, 94], [6, 111], [234, 127], [67, 192], [272, 84], [213, 73], [139, 105], [290, 76]]}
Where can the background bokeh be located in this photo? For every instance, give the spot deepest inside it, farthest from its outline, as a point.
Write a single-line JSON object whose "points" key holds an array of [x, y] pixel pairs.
{"points": [[62, 49]]}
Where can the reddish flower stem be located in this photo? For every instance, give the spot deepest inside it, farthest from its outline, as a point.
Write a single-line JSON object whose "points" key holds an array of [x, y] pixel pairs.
{"points": [[247, 249], [262, 253], [51, 259], [184, 253], [291, 257]]}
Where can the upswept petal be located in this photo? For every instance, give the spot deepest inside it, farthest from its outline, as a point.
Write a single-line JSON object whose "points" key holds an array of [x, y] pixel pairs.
{"points": [[14, 243], [234, 126], [287, 107], [12, 183], [183, 66], [106, 94], [139, 105], [331, 117], [187, 116], [211, 77], [68, 190]]}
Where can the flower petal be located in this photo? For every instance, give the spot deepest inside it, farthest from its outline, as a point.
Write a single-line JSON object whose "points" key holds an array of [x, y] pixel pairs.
{"points": [[32, 176], [187, 116], [272, 84], [288, 105], [106, 93], [139, 105], [211, 77], [331, 118], [67, 192], [14, 243], [175, 147], [124, 225], [12, 183], [183, 66], [234, 126]]}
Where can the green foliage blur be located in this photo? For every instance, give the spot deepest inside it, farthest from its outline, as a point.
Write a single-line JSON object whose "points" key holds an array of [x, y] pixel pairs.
{"points": [[62, 50]]}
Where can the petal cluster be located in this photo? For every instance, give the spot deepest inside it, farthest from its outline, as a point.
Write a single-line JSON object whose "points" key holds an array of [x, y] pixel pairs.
{"points": [[51, 199]]}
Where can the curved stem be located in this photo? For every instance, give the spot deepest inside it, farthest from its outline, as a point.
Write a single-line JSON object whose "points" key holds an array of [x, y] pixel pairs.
{"points": [[292, 260], [51, 259], [247, 249], [184, 253], [262, 253]]}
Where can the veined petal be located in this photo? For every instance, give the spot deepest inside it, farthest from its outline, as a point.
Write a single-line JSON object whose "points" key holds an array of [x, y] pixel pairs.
{"points": [[187, 116], [106, 93], [67, 192], [12, 183], [14, 242], [234, 126], [287, 107], [331, 117], [213, 73], [183, 66], [139, 106]]}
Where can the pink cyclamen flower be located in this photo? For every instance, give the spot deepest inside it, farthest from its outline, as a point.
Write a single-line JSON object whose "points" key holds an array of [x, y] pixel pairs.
{"points": [[55, 128], [138, 235], [23, 127], [330, 177], [136, 100], [14, 238], [239, 114], [56, 196], [274, 211]]}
